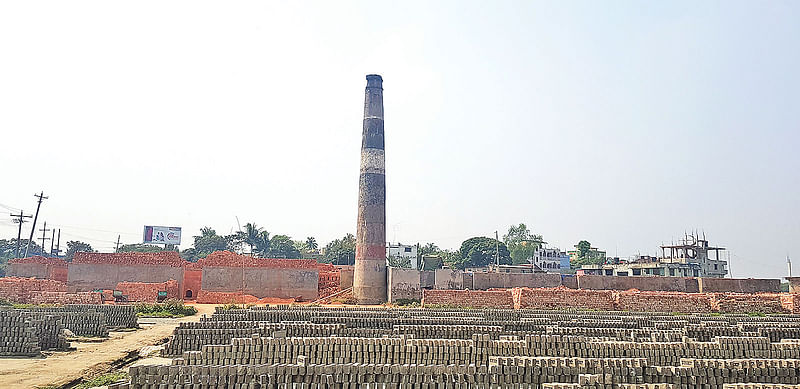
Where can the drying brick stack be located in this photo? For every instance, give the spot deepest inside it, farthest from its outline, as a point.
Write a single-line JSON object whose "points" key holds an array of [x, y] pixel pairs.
{"points": [[17, 334], [328, 347]]}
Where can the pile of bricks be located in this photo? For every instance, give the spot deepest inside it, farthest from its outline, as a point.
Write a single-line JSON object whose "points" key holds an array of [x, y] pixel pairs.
{"points": [[663, 302], [20, 290], [40, 260], [561, 297], [229, 259], [61, 298], [206, 297], [468, 298], [148, 291], [630, 300], [748, 303], [328, 283], [163, 258]]}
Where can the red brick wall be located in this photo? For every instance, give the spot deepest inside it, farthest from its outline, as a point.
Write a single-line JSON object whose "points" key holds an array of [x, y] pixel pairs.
{"points": [[148, 292], [562, 297], [20, 290], [469, 298]]}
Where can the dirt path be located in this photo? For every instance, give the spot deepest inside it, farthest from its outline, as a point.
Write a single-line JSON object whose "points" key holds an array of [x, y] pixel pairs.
{"points": [[89, 359]]}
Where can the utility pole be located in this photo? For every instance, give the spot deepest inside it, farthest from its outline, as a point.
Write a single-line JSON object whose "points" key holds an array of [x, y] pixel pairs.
{"points": [[44, 230], [116, 249], [41, 197], [58, 244], [52, 242], [497, 250], [20, 218]]}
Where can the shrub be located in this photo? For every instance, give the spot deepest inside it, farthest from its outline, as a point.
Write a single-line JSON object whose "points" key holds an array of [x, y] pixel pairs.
{"points": [[170, 308]]}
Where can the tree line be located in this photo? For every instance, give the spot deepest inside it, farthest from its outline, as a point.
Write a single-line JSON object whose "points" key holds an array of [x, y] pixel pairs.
{"points": [[517, 246]]}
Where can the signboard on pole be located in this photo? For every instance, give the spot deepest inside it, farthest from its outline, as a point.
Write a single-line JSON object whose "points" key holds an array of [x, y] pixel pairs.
{"points": [[162, 235]]}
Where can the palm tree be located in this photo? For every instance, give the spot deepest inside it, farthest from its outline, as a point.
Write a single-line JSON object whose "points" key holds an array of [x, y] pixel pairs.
{"points": [[251, 235], [311, 243]]}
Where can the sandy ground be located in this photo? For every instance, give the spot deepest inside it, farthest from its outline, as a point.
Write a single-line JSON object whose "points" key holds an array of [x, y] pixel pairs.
{"points": [[89, 359]]}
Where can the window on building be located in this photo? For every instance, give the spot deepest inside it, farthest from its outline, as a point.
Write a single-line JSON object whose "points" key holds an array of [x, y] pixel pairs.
{"points": [[672, 272], [407, 249], [716, 267], [637, 272]]}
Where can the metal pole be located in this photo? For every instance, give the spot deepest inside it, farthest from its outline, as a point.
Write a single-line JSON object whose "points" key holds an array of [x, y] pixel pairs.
{"points": [[41, 197], [497, 250]]}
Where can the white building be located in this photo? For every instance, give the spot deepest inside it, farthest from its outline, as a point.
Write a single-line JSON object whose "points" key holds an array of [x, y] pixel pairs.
{"points": [[399, 250], [550, 259]]}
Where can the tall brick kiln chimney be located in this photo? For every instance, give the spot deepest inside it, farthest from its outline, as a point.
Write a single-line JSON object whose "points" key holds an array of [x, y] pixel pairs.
{"points": [[369, 279]]}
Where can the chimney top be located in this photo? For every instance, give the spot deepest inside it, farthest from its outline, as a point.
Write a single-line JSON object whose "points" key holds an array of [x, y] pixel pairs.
{"points": [[374, 81]]}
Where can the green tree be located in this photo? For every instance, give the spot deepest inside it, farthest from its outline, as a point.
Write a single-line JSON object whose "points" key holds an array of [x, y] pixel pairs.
{"points": [[583, 248], [141, 248], [479, 252], [208, 242], [429, 249], [400, 262], [75, 246], [521, 243], [8, 248], [586, 256], [340, 251], [281, 246]]}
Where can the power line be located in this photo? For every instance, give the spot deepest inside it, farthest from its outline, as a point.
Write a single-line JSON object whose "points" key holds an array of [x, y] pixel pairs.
{"points": [[96, 229], [10, 208]]}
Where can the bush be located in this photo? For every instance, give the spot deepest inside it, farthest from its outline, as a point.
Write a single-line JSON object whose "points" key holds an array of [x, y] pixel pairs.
{"points": [[170, 308], [103, 380], [410, 303]]}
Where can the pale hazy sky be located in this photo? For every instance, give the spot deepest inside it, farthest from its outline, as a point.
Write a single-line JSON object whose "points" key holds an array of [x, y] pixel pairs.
{"points": [[623, 123]]}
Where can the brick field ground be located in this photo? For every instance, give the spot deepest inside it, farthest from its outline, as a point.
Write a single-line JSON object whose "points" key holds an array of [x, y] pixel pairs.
{"points": [[333, 347]]}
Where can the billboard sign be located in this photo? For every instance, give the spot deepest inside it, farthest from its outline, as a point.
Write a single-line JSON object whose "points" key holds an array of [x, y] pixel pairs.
{"points": [[162, 235]]}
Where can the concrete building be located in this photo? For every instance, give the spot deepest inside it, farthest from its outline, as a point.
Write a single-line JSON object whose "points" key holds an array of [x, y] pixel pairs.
{"points": [[550, 260], [691, 257], [369, 280], [399, 250]]}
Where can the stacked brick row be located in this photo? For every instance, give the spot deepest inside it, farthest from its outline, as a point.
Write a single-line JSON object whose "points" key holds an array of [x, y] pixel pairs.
{"points": [[147, 292], [286, 347], [631, 300], [87, 323], [504, 373], [230, 259], [116, 316], [163, 258], [18, 335], [49, 332]]}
